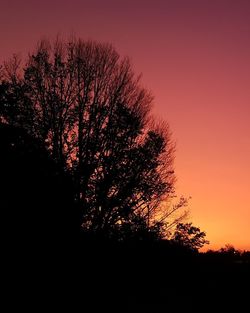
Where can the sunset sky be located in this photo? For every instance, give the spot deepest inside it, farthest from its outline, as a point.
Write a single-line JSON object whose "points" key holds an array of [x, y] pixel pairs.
{"points": [[195, 58]]}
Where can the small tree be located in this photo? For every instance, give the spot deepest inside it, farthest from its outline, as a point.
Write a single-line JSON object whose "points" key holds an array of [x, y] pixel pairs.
{"points": [[189, 236]]}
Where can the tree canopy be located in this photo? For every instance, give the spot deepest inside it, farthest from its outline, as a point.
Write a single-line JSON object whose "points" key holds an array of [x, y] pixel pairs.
{"points": [[88, 108]]}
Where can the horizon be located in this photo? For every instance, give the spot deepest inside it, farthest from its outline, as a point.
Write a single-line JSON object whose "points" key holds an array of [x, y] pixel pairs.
{"points": [[195, 59]]}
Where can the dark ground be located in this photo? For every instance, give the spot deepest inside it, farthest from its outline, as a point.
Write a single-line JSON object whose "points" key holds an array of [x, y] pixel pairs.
{"points": [[160, 279]]}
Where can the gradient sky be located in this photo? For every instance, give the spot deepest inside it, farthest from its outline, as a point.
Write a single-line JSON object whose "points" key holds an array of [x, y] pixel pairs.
{"points": [[195, 58]]}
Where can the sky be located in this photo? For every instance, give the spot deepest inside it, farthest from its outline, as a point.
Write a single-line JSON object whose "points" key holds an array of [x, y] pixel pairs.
{"points": [[195, 58]]}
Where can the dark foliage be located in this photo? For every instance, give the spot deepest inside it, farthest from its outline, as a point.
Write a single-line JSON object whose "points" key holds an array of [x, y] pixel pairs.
{"points": [[189, 236], [36, 195]]}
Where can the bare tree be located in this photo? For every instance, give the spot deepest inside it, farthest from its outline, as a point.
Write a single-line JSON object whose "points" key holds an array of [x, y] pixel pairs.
{"points": [[84, 102]]}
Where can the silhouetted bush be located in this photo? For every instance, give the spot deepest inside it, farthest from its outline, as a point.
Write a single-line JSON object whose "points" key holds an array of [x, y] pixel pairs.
{"points": [[36, 194]]}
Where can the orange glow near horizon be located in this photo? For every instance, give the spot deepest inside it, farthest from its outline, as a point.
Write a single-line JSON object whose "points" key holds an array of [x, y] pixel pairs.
{"points": [[195, 58]]}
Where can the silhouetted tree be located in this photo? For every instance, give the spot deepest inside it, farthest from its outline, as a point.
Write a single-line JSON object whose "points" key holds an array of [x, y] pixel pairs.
{"points": [[229, 252], [189, 236], [87, 107]]}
